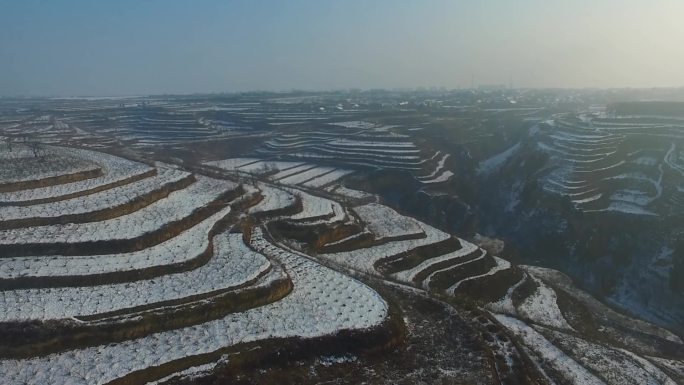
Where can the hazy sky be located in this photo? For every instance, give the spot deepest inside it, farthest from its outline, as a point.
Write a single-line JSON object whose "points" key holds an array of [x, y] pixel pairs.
{"points": [[128, 47]]}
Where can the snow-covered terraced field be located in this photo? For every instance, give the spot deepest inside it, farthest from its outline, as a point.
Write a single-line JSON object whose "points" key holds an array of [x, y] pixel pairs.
{"points": [[175, 207], [305, 176], [22, 165], [545, 352], [501, 265], [409, 275], [386, 224], [606, 165], [273, 199], [326, 179], [173, 284], [322, 302], [361, 145], [162, 127], [104, 200], [615, 366], [232, 265], [456, 267], [289, 173], [301, 167], [185, 247], [315, 207], [364, 259], [116, 171], [232, 164]]}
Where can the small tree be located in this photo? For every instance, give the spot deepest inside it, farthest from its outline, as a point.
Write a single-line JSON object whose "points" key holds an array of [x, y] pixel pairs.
{"points": [[36, 149]]}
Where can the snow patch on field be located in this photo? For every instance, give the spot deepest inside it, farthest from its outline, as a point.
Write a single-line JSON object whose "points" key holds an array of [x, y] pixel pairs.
{"points": [[549, 354], [21, 164], [492, 164], [443, 177], [306, 175], [386, 223], [327, 178], [231, 164], [615, 366], [542, 307], [315, 207], [273, 199], [505, 305], [440, 166]]}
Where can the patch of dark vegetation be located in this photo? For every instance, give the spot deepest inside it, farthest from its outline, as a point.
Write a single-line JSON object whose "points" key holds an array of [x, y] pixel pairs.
{"points": [[526, 289], [496, 285]]}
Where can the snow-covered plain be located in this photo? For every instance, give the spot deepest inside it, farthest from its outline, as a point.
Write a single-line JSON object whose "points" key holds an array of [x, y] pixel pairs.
{"points": [[492, 164], [349, 193]]}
